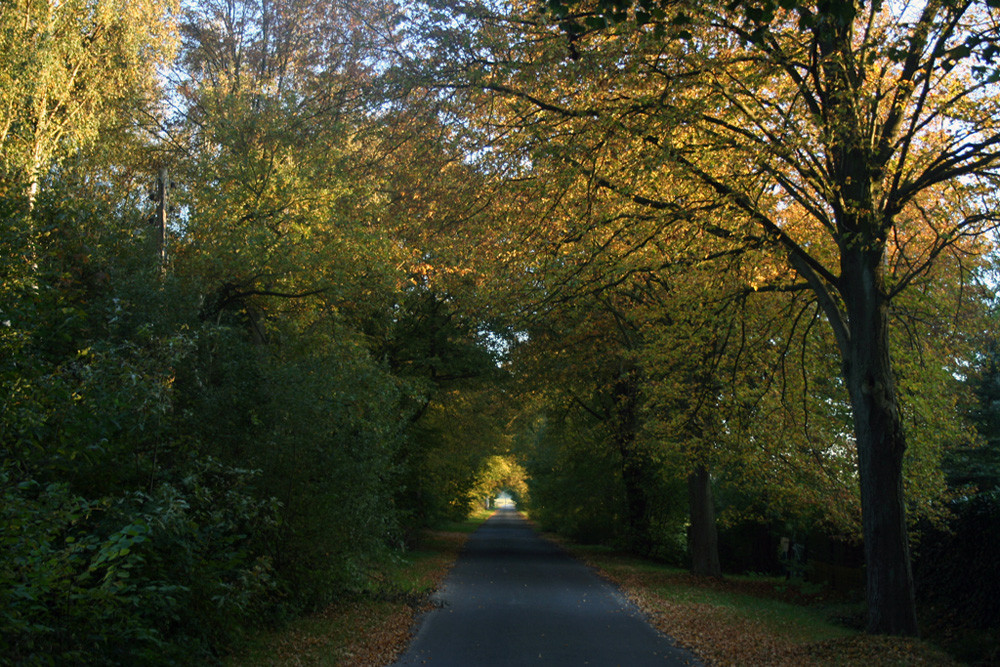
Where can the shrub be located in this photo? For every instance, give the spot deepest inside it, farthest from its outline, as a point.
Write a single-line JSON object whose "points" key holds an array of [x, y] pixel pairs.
{"points": [[169, 575]]}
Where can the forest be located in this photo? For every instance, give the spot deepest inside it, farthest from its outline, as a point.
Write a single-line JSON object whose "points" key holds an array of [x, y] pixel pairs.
{"points": [[283, 282]]}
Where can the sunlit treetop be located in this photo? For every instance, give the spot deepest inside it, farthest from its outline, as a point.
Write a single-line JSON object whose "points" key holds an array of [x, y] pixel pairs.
{"points": [[979, 42]]}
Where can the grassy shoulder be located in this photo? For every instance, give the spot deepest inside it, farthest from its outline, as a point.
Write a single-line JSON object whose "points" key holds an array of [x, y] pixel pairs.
{"points": [[754, 620], [372, 628]]}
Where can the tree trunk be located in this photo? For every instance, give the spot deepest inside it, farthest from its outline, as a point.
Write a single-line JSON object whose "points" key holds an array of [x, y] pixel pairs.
{"points": [[636, 505], [881, 444], [704, 538], [633, 464], [160, 218]]}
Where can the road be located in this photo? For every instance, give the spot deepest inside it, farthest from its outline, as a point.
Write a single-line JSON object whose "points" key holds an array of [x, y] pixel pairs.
{"points": [[515, 599]]}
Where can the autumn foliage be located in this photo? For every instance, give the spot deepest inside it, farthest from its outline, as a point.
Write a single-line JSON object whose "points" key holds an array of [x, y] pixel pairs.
{"points": [[284, 283]]}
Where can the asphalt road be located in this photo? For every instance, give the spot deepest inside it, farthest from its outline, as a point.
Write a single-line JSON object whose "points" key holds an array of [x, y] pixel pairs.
{"points": [[515, 599]]}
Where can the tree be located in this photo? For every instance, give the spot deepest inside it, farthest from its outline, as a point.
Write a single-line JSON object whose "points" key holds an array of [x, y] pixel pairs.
{"points": [[577, 369], [816, 128], [689, 332], [72, 70], [855, 146], [600, 302]]}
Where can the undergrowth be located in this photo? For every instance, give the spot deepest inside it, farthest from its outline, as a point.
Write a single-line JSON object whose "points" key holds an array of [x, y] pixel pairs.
{"points": [[372, 626]]}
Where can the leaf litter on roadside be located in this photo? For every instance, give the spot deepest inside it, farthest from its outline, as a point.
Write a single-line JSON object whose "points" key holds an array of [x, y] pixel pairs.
{"points": [[721, 636]]}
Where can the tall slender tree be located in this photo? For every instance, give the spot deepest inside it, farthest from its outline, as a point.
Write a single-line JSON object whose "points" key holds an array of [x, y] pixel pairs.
{"points": [[70, 71]]}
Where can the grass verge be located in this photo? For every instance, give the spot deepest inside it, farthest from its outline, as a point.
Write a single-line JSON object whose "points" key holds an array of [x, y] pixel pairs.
{"points": [[754, 620], [373, 627]]}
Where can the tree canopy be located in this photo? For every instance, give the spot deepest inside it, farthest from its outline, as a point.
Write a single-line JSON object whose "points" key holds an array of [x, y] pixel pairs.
{"points": [[855, 144], [283, 283]]}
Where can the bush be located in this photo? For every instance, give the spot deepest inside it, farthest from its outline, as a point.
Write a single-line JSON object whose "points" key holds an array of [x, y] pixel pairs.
{"points": [[576, 487], [328, 436], [134, 530], [166, 576]]}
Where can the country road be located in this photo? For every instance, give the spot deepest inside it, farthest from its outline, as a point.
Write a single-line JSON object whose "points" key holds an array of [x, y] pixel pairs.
{"points": [[514, 598]]}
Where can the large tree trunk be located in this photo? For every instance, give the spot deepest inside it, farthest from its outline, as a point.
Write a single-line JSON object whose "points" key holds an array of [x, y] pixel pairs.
{"points": [[704, 538], [862, 234], [880, 443]]}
